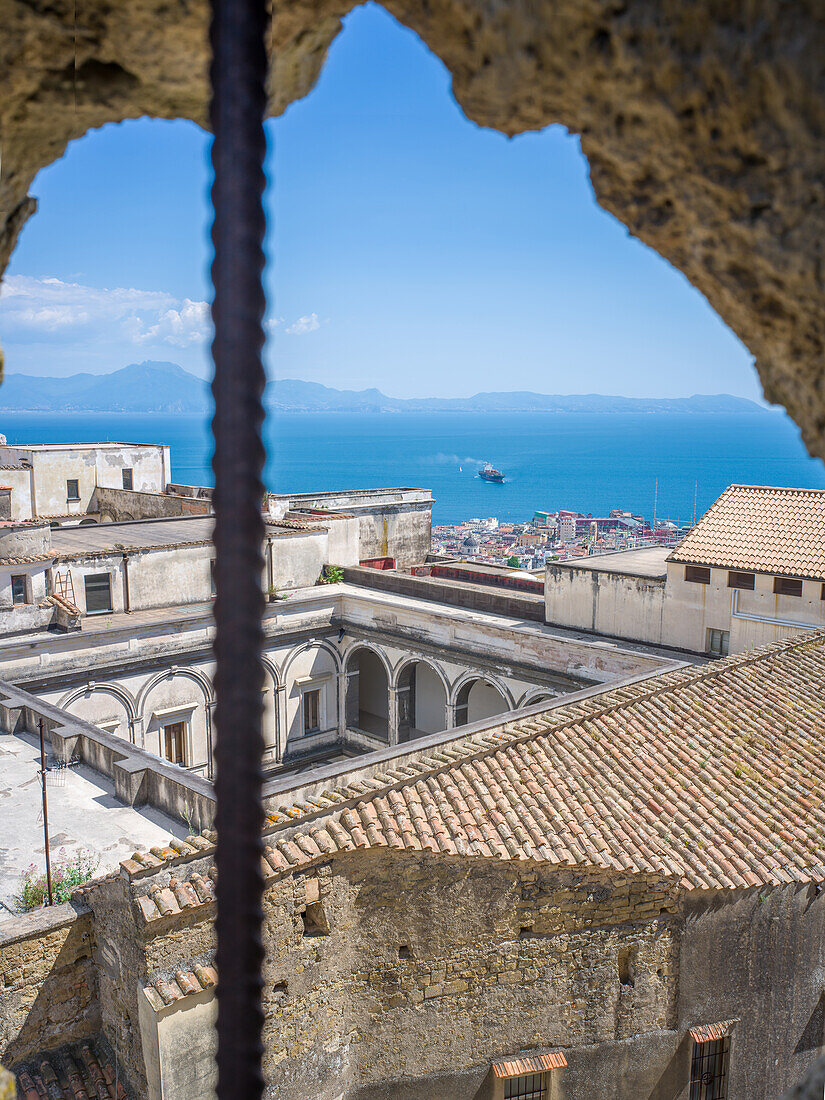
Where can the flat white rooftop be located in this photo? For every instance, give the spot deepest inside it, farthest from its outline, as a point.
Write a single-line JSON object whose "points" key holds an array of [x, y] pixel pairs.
{"points": [[93, 537], [647, 562], [84, 815], [74, 446]]}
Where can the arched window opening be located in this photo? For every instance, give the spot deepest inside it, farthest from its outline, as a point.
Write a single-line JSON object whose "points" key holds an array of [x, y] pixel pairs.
{"points": [[422, 701], [478, 699], [368, 694]]}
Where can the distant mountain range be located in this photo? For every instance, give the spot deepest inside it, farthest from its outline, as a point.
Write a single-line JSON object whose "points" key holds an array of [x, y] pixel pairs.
{"points": [[167, 388]]}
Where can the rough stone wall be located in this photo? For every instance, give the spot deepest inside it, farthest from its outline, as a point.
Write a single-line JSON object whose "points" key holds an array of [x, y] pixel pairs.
{"points": [[119, 505], [703, 124], [434, 965], [48, 985]]}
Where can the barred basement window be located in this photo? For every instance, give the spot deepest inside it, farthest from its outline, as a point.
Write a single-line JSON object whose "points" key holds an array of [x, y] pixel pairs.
{"points": [[709, 1070], [98, 592], [127, 477], [787, 586], [698, 574], [532, 1086], [718, 642], [741, 580]]}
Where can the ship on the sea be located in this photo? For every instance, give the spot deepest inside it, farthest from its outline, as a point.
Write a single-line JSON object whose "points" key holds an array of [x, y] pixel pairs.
{"points": [[490, 473]]}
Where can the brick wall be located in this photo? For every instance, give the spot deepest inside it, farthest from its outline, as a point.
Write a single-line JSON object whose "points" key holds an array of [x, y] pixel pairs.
{"points": [[48, 988]]}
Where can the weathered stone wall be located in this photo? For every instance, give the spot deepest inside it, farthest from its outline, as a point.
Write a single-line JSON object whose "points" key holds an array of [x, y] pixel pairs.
{"points": [[433, 965], [48, 984], [121, 505]]}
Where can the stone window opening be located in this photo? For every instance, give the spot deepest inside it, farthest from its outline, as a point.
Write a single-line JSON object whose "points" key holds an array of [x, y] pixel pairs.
{"points": [[98, 592], [174, 742], [279, 992], [626, 965], [526, 932], [311, 710], [718, 642], [697, 574], [404, 951], [530, 1086], [709, 1070], [72, 489], [746, 581], [314, 921], [20, 588], [128, 480], [787, 586]]}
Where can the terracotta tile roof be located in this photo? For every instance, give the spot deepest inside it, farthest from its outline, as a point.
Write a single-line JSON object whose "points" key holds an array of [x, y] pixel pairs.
{"points": [[709, 1033], [759, 528], [166, 990], [518, 1067], [28, 559], [709, 776], [81, 1071]]}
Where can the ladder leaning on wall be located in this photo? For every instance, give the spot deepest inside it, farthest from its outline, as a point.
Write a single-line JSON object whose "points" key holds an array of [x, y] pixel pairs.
{"points": [[64, 586]]}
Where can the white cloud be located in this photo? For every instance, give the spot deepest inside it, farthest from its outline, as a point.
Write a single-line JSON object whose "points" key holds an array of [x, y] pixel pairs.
{"points": [[191, 324], [34, 310], [304, 325]]}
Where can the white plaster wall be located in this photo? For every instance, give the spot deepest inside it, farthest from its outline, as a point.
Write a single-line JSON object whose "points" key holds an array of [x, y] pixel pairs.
{"points": [[314, 667], [179, 576], [606, 603], [52, 469], [21, 496], [179, 699], [179, 1047], [692, 609], [343, 545], [297, 559], [149, 465]]}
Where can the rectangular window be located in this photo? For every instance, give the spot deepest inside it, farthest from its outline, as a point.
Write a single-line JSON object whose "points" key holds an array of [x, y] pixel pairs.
{"points": [[174, 742], [787, 586], [709, 1070], [19, 589], [719, 642], [73, 489], [127, 477], [311, 701], [212, 575], [98, 592], [532, 1086], [698, 574], [741, 580]]}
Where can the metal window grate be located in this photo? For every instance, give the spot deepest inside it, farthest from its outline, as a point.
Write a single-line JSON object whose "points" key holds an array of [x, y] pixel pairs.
{"points": [[531, 1086], [709, 1070]]}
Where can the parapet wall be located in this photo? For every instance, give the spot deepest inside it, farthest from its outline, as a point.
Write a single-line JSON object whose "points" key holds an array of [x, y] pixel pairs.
{"points": [[48, 984]]}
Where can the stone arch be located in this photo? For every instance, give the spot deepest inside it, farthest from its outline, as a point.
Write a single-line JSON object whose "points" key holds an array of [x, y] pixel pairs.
{"points": [[422, 693], [368, 681], [313, 666], [317, 643], [121, 694], [472, 698], [534, 696], [198, 747], [697, 173]]}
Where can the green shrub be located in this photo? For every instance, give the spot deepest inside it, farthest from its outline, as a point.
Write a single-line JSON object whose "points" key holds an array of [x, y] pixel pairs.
{"points": [[67, 875], [331, 574]]}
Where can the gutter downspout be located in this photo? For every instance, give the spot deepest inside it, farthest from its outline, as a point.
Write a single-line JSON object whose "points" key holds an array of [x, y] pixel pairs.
{"points": [[127, 599], [271, 583], [735, 613]]}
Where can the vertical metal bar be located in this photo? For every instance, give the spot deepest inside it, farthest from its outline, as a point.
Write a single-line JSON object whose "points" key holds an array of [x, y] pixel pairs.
{"points": [[45, 815], [238, 75]]}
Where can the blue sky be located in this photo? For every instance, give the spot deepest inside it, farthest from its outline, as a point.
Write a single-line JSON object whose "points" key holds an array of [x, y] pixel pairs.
{"points": [[413, 251]]}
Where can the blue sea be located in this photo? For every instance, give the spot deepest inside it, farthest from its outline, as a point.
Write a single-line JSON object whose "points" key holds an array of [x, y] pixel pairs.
{"points": [[582, 461]]}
